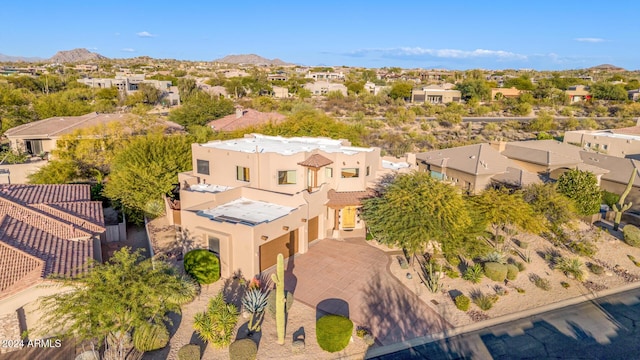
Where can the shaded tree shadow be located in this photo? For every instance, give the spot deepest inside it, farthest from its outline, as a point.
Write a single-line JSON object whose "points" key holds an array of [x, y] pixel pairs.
{"points": [[299, 334], [453, 294], [245, 333], [234, 288], [395, 314], [332, 306], [290, 279]]}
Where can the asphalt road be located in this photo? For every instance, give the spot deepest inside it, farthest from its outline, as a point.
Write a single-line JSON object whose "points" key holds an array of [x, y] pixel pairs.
{"points": [[607, 328]]}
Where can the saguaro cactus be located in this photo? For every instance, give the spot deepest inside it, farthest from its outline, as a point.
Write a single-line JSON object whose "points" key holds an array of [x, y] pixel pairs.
{"points": [[278, 279], [621, 207]]}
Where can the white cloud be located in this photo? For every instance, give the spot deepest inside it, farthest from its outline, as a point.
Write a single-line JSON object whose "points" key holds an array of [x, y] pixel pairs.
{"points": [[441, 53], [145, 34], [590, 40], [128, 50]]}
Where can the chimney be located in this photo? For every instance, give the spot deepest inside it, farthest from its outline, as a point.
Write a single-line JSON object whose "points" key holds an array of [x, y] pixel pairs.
{"points": [[239, 112], [498, 145]]}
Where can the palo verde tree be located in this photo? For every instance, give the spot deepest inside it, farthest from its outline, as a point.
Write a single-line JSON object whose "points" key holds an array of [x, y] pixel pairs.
{"points": [[500, 208], [145, 168], [415, 209], [111, 300], [545, 200], [582, 188]]}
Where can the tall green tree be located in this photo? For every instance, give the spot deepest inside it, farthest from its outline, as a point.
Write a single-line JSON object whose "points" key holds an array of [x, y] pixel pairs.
{"points": [[608, 91], [145, 168], [582, 188], [200, 108], [415, 209], [548, 202], [401, 90], [500, 208], [114, 299], [472, 88]]}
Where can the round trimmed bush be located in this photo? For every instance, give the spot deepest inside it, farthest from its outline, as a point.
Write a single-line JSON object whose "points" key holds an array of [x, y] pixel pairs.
{"points": [[495, 271], [631, 235], [333, 332], [149, 337], [202, 265], [512, 271], [462, 302], [189, 352], [243, 349]]}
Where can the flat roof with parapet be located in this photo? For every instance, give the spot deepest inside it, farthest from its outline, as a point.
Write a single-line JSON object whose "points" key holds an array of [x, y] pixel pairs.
{"points": [[212, 188], [386, 164], [285, 146], [246, 211]]}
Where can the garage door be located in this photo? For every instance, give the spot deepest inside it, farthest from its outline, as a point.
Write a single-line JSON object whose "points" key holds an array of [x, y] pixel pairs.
{"points": [[313, 229], [286, 244]]}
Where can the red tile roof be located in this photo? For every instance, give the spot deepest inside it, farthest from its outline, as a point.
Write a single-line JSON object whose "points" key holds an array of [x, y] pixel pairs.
{"points": [[346, 198], [316, 161], [45, 230], [249, 118]]}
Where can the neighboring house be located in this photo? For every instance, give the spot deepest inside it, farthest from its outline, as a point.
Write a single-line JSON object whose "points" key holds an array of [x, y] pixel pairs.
{"points": [[618, 175], [41, 136], [473, 168], [547, 158], [634, 95], [375, 89], [578, 93], [277, 77], [86, 67], [244, 118], [45, 230], [623, 142], [498, 93], [324, 87], [280, 92], [249, 199], [435, 94], [131, 83], [324, 75]]}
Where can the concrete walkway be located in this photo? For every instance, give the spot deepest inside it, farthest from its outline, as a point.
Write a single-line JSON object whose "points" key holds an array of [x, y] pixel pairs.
{"points": [[351, 278]]}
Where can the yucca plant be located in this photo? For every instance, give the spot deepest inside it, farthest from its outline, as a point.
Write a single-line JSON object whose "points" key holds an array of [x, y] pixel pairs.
{"points": [[217, 323], [571, 267], [474, 273], [494, 256], [484, 301], [255, 301]]}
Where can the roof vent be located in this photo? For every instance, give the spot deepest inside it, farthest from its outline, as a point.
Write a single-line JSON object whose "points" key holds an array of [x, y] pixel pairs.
{"points": [[472, 157]]}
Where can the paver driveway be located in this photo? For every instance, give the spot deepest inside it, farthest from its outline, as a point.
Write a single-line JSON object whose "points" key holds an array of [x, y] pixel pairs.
{"points": [[352, 277]]}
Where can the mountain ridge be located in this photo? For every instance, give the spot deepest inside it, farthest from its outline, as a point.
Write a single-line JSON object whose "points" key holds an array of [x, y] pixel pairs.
{"points": [[250, 59]]}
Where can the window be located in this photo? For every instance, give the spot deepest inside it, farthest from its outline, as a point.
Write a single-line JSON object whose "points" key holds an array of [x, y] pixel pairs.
{"points": [[328, 172], [286, 177], [214, 244], [350, 172], [242, 173], [202, 167], [368, 170], [605, 147]]}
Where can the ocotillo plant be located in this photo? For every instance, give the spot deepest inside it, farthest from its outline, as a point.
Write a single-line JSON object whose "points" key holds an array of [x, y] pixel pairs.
{"points": [[621, 207], [278, 279]]}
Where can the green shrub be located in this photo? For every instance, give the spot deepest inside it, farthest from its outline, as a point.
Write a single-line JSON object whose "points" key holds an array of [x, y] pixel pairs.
{"points": [[462, 302], [495, 271], [333, 332], [595, 268], [451, 273], [631, 235], [202, 265], [520, 290], [494, 256], [271, 302], [149, 337], [565, 284], [454, 260], [473, 273], [572, 268], [189, 352], [512, 271], [243, 349], [521, 266], [541, 283], [633, 260], [583, 248], [484, 302]]}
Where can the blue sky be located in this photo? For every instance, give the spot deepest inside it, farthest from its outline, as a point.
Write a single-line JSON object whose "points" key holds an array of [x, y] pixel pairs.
{"points": [[465, 34]]}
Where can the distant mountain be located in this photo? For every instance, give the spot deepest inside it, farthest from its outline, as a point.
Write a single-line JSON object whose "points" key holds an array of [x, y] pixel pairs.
{"points": [[9, 58], [607, 67], [75, 55], [250, 59]]}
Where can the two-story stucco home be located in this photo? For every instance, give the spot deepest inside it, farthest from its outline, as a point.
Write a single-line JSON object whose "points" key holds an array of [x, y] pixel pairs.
{"points": [[249, 199]]}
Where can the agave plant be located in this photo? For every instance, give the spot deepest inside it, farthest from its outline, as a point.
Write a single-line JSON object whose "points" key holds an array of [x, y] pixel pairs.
{"points": [[572, 267], [255, 301], [494, 256]]}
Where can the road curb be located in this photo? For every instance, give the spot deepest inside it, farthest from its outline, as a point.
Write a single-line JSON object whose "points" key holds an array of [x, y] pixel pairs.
{"points": [[389, 349]]}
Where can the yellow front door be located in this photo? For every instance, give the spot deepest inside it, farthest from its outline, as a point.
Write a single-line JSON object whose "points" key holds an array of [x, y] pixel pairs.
{"points": [[349, 217]]}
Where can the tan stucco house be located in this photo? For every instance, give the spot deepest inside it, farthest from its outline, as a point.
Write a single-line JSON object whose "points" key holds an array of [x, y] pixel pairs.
{"points": [[473, 168], [623, 142], [249, 199]]}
